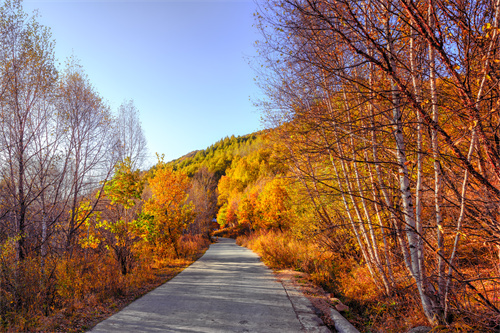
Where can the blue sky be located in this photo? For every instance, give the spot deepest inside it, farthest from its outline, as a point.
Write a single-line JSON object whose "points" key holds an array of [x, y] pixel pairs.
{"points": [[182, 62]]}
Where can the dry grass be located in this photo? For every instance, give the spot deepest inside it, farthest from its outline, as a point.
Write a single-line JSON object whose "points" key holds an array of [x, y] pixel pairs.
{"points": [[318, 297], [280, 251], [84, 292]]}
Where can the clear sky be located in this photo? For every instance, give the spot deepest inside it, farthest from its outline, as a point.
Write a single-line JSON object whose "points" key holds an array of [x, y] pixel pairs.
{"points": [[181, 61]]}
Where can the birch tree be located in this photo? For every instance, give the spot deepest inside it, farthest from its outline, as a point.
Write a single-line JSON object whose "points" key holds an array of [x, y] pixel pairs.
{"points": [[131, 142], [28, 76], [88, 142], [410, 77]]}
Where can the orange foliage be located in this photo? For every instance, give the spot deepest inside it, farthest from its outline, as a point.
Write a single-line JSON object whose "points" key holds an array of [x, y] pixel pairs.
{"points": [[274, 205], [167, 211], [231, 217], [248, 213]]}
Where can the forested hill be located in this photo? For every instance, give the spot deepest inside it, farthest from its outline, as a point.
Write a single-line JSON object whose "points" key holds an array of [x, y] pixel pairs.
{"points": [[231, 176], [219, 156]]}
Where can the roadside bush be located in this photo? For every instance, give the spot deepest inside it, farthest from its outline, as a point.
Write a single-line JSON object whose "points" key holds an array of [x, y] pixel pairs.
{"points": [[190, 245], [282, 250]]}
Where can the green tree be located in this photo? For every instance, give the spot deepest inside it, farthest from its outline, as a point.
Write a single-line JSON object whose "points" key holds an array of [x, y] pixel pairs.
{"points": [[113, 223]]}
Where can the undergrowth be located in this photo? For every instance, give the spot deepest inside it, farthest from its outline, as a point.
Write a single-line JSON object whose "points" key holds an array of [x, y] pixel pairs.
{"points": [[74, 294]]}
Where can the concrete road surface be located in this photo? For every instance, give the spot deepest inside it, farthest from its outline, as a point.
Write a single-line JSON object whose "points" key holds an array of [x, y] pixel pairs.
{"points": [[227, 290]]}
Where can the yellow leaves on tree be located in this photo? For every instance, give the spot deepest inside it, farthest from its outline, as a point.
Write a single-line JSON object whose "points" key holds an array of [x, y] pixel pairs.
{"points": [[229, 195], [247, 210], [113, 223], [259, 208], [167, 212], [274, 205], [224, 189], [88, 218]]}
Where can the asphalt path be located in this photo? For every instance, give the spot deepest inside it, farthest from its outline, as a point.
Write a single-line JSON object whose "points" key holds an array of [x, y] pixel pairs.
{"points": [[227, 290]]}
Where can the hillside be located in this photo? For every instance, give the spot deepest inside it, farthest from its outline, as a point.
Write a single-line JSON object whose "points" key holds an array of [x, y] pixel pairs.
{"points": [[219, 156]]}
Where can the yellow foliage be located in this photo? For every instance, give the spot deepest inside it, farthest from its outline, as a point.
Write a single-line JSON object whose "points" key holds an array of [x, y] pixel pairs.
{"points": [[167, 212]]}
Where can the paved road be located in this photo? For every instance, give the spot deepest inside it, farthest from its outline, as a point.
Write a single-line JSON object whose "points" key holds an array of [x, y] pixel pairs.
{"points": [[227, 290]]}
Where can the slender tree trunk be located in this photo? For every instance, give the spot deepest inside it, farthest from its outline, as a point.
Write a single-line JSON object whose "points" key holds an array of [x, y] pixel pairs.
{"points": [[365, 250], [353, 225], [373, 245], [437, 167], [21, 200], [418, 187], [404, 185], [376, 200]]}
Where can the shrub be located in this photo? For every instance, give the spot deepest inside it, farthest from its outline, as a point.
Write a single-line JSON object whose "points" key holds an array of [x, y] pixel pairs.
{"points": [[282, 250]]}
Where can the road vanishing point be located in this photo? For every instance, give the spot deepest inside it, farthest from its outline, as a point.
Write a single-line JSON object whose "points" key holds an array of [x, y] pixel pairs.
{"points": [[227, 290]]}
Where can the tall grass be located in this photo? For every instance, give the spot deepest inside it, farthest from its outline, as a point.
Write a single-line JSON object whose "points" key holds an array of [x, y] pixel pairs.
{"points": [[281, 250], [72, 294]]}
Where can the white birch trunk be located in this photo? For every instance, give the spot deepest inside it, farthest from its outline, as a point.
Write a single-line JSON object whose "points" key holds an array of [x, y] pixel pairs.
{"points": [[404, 186], [353, 225], [437, 167], [465, 181], [418, 186]]}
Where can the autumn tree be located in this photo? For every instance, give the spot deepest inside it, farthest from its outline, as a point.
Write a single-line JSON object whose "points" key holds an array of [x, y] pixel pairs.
{"points": [[240, 189], [167, 213], [28, 75], [248, 212], [203, 194], [386, 111], [274, 205], [88, 156], [131, 142], [112, 222]]}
